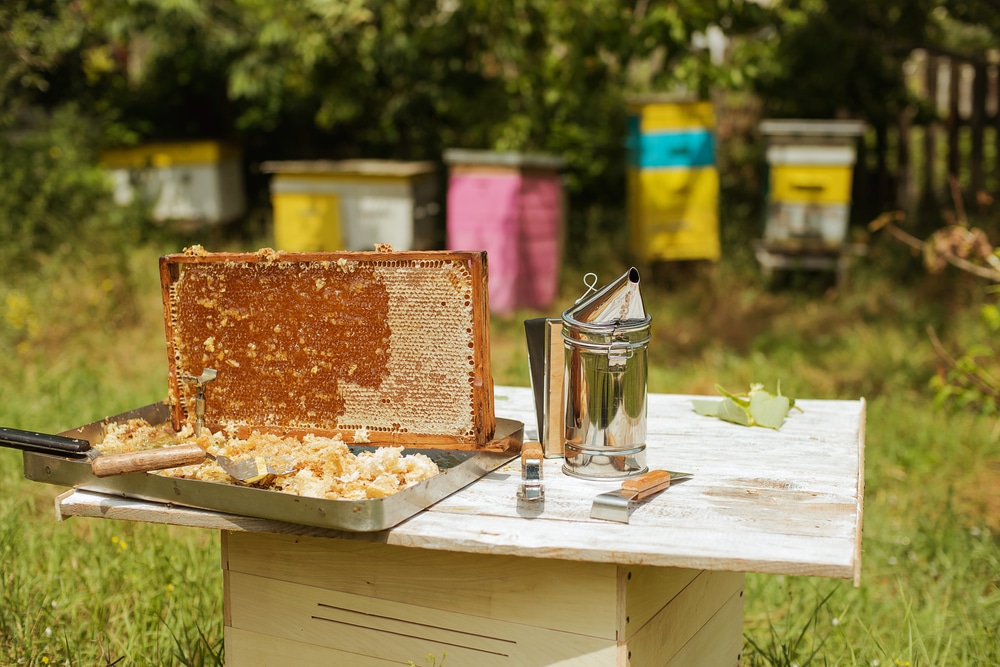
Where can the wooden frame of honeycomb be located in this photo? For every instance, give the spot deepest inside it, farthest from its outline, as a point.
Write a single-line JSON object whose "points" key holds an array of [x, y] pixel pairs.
{"points": [[382, 347]]}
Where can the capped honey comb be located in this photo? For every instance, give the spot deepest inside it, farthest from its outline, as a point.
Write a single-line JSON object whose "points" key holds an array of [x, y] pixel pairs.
{"points": [[379, 347]]}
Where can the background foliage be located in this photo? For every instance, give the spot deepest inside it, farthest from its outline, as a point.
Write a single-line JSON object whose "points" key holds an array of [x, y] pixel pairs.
{"points": [[406, 79]]}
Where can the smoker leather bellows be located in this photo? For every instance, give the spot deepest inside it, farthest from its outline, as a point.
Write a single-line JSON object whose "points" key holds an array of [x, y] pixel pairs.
{"points": [[606, 336]]}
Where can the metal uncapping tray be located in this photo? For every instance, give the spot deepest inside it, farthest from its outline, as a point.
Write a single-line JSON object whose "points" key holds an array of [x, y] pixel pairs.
{"points": [[459, 468]]}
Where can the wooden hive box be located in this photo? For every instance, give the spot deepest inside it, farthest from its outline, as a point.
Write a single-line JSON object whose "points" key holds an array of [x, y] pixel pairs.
{"points": [[194, 182], [326, 205], [382, 347], [341, 602], [672, 182]]}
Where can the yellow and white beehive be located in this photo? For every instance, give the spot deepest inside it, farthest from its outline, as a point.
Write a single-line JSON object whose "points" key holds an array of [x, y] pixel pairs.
{"points": [[810, 176], [326, 205], [197, 181]]}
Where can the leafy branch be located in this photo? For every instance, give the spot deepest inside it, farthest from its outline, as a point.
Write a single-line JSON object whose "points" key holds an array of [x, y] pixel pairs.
{"points": [[964, 377], [972, 374], [954, 244]]}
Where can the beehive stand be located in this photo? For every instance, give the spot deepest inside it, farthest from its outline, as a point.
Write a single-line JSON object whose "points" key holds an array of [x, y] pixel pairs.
{"points": [[484, 579], [785, 256]]}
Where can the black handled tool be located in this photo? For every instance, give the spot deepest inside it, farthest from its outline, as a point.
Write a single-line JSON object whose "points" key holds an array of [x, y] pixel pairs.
{"points": [[44, 443], [106, 464]]}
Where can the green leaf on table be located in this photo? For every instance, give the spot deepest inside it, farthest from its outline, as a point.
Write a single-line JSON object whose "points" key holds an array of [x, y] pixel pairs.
{"points": [[706, 407], [769, 411], [754, 408], [742, 401], [731, 411]]}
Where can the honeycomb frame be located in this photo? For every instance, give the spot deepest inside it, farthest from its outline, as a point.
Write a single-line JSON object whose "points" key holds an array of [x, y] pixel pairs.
{"points": [[382, 347]]}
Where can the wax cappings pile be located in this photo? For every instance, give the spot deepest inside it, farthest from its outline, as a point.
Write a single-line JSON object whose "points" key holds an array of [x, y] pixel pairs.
{"points": [[322, 467]]}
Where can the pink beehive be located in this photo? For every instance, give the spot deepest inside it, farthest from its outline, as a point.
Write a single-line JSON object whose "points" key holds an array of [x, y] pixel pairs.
{"points": [[511, 206]]}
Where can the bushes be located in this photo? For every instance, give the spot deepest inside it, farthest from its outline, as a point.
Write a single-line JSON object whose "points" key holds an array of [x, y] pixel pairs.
{"points": [[67, 264], [56, 211], [53, 194]]}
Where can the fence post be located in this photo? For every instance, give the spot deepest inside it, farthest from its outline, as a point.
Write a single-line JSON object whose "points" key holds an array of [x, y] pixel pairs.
{"points": [[904, 175], [954, 121], [930, 129], [976, 123]]}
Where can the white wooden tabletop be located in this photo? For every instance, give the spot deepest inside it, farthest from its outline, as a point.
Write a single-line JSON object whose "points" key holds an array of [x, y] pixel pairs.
{"points": [[784, 502]]}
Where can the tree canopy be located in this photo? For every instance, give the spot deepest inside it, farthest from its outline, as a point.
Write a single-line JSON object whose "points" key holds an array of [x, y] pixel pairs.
{"points": [[401, 79], [406, 79]]}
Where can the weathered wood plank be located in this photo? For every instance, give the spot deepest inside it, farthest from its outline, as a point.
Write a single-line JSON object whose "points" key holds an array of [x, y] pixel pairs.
{"points": [[503, 588], [254, 649], [647, 590], [787, 501], [954, 123], [977, 123], [720, 642], [930, 130], [688, 616], [401, 632]]}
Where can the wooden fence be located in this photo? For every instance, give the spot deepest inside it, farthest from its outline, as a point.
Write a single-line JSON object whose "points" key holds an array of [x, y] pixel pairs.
{"points": [[923, 163]]}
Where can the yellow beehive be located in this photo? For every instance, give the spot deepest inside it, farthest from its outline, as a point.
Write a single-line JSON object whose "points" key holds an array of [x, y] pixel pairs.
{"points": [[811, 169], [809, 184], [325, 205]]}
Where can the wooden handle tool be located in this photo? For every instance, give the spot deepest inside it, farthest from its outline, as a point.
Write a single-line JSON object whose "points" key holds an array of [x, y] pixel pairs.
{"points": [[532, 458], [617, 505], [160, 458]]}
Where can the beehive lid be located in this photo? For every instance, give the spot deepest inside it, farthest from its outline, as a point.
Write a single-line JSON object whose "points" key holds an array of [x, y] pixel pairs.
{"points": [[370, 168], [380, 347], [170, 154], [509, 159], [798, 128]]}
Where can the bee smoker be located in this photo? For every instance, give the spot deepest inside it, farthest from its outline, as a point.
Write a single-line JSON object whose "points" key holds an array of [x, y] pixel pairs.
{"points": [[605, 339]]}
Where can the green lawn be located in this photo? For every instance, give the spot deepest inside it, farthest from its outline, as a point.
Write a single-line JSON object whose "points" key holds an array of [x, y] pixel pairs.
{"points": [[82, 339]]}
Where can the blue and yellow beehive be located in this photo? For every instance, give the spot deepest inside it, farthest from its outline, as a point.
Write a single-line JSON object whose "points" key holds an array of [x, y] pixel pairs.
{"points": [[672, 181]]}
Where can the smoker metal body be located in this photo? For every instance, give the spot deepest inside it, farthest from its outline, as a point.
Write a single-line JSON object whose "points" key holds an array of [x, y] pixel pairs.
{"points": [[606, 337]]}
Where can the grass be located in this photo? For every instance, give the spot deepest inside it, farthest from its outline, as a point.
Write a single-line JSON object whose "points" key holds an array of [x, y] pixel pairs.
{"points": [[82, 338], [79, 340]]}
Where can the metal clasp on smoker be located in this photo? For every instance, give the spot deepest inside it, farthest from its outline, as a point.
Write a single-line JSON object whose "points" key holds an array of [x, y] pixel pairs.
{"points": [[619, 352]]}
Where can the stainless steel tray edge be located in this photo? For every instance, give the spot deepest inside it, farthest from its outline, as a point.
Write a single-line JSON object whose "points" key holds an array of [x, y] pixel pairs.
{"points": [[463, 468]]}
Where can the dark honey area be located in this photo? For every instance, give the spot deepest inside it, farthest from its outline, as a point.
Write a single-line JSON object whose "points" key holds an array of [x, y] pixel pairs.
{"points": [[282, 338]]}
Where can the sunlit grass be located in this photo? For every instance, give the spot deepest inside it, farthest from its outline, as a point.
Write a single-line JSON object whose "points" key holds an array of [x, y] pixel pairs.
{"points": [[84, 339], [930, 587]]}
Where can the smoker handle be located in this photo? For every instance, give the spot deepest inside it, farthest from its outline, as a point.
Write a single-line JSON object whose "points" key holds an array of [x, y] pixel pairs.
{"points": [[31, 441]]}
